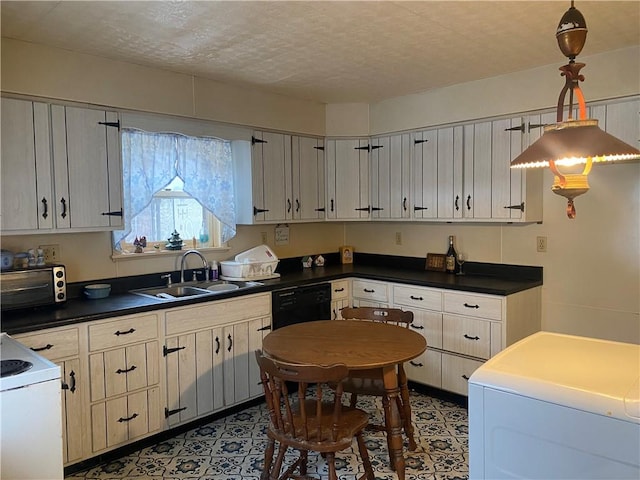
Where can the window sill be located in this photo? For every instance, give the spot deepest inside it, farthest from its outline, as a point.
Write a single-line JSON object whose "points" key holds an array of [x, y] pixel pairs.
{"points": [[119, 256]]}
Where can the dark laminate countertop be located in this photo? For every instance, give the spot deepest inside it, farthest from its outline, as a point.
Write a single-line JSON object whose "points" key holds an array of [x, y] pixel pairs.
{"points": [[481, 278]]}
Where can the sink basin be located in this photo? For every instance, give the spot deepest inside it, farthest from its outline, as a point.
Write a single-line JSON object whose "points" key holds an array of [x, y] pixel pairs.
{"points": [[173, 292], [193, 289]]}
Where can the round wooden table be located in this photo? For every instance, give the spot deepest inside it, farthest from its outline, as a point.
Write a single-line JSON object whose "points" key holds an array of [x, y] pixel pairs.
{"points": [[360, 345]]}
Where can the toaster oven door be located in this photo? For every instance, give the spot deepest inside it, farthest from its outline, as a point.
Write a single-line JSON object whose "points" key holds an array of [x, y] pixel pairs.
{"points": [[24, 289]]}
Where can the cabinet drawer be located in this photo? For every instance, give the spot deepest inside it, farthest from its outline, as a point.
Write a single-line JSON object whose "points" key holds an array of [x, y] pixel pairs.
{"points": [[340, 290], [456, 372], [124, 331], [468, 336], [123, 370], [473, 305], [52, 344], [374, 291], [417, 297], [207, 315], [426, 368], [429, 325], [126, 418]]}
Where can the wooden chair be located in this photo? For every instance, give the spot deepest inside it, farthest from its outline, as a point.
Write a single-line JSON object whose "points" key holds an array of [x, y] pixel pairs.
{"points": [[307, 422], [369, 382]]}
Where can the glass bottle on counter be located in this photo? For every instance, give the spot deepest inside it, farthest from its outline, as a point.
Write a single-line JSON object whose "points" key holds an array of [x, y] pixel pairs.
{"points": [[452, 257]]}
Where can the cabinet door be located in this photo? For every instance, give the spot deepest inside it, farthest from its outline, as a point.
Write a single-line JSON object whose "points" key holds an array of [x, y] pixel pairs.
{"points": [[623, 121], [426, 368], [307, 158], [258, 329], [182, 388], [390, 176], [271, 173], [450, 144], [425, 174], [85, 149], [347, 179], [26, 166], [506, 182], [477, 167]]}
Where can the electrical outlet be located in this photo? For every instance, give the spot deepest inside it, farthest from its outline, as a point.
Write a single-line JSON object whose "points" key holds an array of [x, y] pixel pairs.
{"points": [[541, 244], [398, 238], [263, 237], [51, 253]]}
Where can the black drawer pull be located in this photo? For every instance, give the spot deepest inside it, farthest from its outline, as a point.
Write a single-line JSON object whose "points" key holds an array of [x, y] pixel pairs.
{"points": [[415, 298], [456, 203], [126, 370], [416, 364], [471, 306], [417, 327], [471, 338], [230, 343], [128, 419], [465, 377], [72, 388], [369, 291], [217, 345], [469, 202], [131, 330], [338, 289], [48, 346], [45, 205]]}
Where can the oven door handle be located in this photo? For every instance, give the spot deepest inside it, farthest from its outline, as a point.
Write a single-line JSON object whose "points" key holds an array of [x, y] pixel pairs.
{"points": [[25, 289]]}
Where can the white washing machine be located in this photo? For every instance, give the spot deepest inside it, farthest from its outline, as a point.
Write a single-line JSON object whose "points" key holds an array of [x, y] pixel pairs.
{"points": [[555, 406]]}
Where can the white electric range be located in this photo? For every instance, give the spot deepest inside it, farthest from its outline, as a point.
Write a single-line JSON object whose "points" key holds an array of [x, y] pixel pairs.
{"points": [[30, 414]]}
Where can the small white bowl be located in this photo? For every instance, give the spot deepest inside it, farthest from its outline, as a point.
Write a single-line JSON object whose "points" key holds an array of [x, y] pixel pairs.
{"points": [[97, 290]]}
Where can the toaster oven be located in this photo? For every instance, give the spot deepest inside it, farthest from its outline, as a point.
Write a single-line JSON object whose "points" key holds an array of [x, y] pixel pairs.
{"points": [[33, 287]]}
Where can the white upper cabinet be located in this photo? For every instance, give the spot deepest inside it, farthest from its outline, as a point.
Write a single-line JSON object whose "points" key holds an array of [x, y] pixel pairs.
{"points": [[67, 160], [425, 174], [347, 179], [390, 177], [477, 171], [27, 200], [307, 156], [620, 119], [450, 157], [271, 177]]}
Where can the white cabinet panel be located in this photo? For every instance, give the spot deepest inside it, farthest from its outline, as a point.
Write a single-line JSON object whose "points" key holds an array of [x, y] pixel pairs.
{"points": [[347, 179], [425, 174]]}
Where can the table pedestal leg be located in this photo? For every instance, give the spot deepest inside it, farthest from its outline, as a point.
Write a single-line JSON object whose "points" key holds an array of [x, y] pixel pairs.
{"points": [[393, 422]]}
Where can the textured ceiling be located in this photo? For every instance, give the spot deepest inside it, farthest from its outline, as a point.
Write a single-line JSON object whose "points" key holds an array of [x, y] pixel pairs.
{"points": [[330, 52]]}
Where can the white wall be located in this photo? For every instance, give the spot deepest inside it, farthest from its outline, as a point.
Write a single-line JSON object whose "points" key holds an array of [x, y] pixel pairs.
{"points": [[592, 279]]}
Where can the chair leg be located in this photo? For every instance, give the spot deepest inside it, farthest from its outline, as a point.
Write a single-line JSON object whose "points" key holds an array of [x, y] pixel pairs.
{"points": [[331, 463], [354, 400], [364, 455], [386, 406], [275, 473], [303, 462], [268, 459], [405, 408]]}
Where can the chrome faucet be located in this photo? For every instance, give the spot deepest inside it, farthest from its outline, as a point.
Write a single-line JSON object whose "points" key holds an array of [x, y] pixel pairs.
{"points": [[184, 257]]}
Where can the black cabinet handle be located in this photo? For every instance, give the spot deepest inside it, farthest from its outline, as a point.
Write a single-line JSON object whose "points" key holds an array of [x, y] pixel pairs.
{"points": [[72, 388], [118, 332], [471, 338], [516, 207], [417, 327], [217, 345], [456, 203], [332, 204], [127, 419], [126, 370], [168, 413], [48, 346], [45, 206], [465, 377], [257, 210], [404, 204], [415, 298], [297, 205], [338, 289], [469, 202], [230, 343], [64, 207], [471, 306], [369, 291], [416, 364], [288, 205]]}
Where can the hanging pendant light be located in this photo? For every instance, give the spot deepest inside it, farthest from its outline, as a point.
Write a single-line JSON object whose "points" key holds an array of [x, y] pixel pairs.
{"points": [[571, 147]]}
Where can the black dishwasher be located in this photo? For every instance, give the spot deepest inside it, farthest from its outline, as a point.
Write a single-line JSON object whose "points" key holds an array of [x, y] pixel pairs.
{"points": [[301, 304]]}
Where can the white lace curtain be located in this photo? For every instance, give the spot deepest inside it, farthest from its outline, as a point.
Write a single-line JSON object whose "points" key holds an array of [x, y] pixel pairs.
{"points": [[151, 160]]}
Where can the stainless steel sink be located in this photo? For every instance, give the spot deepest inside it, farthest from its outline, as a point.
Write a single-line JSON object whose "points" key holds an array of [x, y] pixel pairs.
{"points": [[193, 289]]}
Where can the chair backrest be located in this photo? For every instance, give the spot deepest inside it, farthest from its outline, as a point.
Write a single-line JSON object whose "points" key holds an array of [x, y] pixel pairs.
{"points": [[303, 416], [378, 314]]}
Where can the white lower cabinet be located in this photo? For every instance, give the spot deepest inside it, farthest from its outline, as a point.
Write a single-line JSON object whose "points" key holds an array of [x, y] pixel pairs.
{"points": [[209, 355], [463, 330], [369, 293], [339, 298], [124, 376], [62, 346]]}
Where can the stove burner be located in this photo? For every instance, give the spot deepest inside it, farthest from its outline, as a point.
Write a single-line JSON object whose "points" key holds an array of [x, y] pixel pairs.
{"points": [[13, 367]]}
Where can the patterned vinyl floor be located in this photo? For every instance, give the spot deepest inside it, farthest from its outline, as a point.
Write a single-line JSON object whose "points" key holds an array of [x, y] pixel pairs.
{"points": [[231, 448]]}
